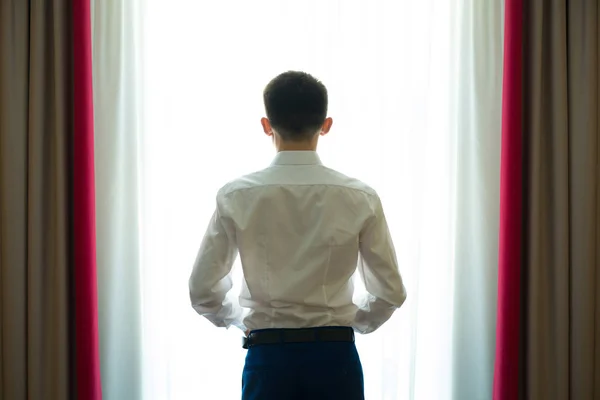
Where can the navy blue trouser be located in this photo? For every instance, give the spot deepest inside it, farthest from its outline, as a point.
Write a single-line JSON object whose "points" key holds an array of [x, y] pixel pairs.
{"points": [[295, 371]]}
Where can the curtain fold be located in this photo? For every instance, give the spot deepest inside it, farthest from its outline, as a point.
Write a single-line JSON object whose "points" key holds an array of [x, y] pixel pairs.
{"points": [[117, 107], [506, 377], [552, 311], [477, 120], [561, 159], [84, 211], [39, 230], [35, 242]]}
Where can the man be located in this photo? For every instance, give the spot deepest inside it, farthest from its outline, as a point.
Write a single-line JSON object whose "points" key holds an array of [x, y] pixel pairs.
{"points": [[301, 229]]}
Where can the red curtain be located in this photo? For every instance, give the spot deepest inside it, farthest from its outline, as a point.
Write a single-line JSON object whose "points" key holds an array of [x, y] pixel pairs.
{"points": [[86, 306], [506, 375]]}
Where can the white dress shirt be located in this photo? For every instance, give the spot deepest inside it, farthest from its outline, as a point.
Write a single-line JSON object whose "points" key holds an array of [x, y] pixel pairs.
{"points": [[301, 230]]}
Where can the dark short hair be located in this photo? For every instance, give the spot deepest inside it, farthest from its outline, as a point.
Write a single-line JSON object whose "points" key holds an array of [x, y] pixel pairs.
{"points": [[296, 105]]}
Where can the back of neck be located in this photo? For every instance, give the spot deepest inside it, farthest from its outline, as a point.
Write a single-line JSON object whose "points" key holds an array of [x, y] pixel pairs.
{"points": [[297, 146]]}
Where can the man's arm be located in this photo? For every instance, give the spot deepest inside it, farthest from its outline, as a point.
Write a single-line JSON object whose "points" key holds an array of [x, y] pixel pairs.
{"points": [[211, 277], [378, 268]]}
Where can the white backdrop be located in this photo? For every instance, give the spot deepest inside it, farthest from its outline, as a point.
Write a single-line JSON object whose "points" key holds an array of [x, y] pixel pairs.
{"points": [[414, 90]]}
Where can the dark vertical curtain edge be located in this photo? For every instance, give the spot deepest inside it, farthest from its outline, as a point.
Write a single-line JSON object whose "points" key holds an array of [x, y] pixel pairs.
{"points": [[84, 229], [506, 371]]}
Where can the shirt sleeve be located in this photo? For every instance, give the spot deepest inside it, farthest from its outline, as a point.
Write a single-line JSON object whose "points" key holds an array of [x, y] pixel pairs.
{"points": [[378, 268], [211, 276]]}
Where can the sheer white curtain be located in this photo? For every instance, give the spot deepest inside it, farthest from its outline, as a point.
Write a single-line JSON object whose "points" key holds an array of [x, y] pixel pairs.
{"points": [[415, 96]]}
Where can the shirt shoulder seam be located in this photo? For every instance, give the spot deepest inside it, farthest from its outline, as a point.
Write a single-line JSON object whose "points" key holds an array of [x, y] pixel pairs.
{"points": [[225, 193]]}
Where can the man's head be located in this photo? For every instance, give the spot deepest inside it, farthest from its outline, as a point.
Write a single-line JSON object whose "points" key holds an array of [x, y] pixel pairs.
{"points": [[296, 107]]}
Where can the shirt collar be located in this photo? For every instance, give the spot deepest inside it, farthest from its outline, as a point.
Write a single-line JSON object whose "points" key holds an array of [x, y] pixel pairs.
{"points": [[304, 157]]}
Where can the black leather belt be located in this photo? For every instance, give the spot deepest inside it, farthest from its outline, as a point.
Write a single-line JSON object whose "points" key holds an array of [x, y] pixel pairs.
{"points": [[280, 336]]}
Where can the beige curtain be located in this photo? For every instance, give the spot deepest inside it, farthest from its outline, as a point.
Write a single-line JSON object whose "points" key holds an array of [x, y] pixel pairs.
{"points": [[35, 132], [561, 345]]}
